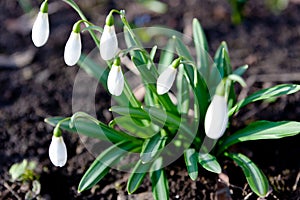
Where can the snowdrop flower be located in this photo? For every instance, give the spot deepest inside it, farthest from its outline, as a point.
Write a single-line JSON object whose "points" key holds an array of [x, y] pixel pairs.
{"points": [[216, 117], [57, 149], [40, 29], [73, 46], [108, 40], [115, 79], [167, 77]]}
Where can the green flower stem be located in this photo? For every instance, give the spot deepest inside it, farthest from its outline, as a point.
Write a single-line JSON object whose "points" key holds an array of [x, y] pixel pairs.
{"points": [[57, 132], [165, 101], [127, 90], [82, 16], [76, 26]]}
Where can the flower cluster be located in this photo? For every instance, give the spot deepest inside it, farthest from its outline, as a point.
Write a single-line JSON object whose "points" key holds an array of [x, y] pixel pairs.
{"points": [[216, 118], [108, 51]]}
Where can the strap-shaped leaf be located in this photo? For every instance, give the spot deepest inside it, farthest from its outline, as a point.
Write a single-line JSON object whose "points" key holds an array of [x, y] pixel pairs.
{"points": [[166, 55], [136, 113], [275, 91], [201, 48], [256, 179], [240, 70], [135, 127], [222, 60], [182, 49], [201, 92], [209, 162], [157, 115], [137, 176], [261, 130], [100, 166], [151, 147], [183, 92], [191, 161], [153, 52], [91, 129], [160, 187]]}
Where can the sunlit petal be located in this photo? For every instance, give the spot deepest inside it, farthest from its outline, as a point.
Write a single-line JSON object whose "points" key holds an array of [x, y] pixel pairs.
{"points": [[216, 118], [166, 80]]}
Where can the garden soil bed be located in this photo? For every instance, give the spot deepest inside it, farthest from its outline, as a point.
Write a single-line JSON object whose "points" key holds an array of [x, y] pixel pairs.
{"points": [[35, 84]]}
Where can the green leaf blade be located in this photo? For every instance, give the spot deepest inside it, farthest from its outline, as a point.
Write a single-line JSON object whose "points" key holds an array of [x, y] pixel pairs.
{"points": [[137, 176], [201, 48], [258, 182], [91, 129], [152, 147], [100, 166], [191, 161], [160, 188], [275, 91], [261, 130], [209, 162]]}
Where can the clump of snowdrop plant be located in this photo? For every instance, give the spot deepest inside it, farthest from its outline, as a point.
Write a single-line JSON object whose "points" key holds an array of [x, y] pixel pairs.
{"points": [[204, 106]]}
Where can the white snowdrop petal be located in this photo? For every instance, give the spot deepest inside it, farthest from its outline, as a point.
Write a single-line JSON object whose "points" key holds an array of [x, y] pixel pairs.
{"points": [[216, 118], [115, 81], [166, 80], [73, 49], [40, 29], [108, 43], [58, 151]]}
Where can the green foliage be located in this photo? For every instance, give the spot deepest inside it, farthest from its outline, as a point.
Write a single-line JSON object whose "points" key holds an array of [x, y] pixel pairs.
{"points": [[23, 171], [150, 127]]}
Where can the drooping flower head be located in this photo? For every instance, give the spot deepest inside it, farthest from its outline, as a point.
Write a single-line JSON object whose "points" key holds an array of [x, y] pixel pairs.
{"points": [[108, 40], [73, 46], [57, 149], [167, 77], [115, 79], [40, 29], [216, 117]]}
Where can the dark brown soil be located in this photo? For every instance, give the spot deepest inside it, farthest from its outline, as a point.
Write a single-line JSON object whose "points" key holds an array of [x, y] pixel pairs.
{"points": [[41, 86]]}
